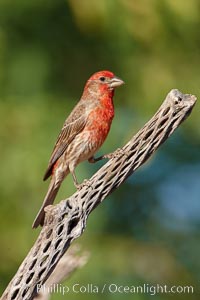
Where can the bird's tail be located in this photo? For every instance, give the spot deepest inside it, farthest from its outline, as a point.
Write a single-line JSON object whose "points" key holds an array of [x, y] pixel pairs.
{"points": [[49, 198]]}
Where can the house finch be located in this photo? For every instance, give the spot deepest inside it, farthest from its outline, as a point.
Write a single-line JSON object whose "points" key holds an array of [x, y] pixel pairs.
{"points": [[83, 132]]}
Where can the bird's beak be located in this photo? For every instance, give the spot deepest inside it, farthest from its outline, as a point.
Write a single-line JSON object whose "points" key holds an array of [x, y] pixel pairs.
{"points": [[115, 81]]}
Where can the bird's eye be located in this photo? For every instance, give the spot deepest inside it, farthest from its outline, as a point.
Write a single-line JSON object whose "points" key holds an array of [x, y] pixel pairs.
{"points": [[102, 78]]}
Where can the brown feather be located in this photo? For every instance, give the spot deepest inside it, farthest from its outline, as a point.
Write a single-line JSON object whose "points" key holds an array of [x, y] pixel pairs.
{"points": [[48, 200], [74, 124]]}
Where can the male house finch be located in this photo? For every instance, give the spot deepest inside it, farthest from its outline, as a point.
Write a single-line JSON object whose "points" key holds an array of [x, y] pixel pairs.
{"points": [[83, 133]]}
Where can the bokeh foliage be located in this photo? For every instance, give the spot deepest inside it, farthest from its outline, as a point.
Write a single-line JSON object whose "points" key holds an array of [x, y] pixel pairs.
{"points": [[148, 230]]}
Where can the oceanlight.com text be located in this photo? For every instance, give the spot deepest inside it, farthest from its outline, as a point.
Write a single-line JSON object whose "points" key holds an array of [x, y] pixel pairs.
{"points": [[114, 288]]}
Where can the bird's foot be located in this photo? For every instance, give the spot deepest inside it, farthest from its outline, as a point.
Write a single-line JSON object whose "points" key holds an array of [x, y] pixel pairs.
{"points": [[85, 182], [117, 153]]}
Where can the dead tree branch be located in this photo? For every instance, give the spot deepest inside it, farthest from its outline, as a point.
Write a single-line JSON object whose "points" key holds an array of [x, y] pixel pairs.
{"points": [[70, 262], [66, 221]]}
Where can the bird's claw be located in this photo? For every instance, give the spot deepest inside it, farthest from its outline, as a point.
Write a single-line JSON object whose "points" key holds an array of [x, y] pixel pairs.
{"points": [[117, 153], [85, 182]]}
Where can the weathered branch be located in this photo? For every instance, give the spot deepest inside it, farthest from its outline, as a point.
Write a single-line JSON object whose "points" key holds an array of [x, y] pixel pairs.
{"points": [[67, 220], [69, 263]]}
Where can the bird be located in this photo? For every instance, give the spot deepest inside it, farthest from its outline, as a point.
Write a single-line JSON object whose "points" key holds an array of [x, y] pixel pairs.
{"points": [[82, 134]]}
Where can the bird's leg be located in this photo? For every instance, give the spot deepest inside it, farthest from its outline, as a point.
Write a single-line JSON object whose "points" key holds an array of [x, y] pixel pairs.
{"points": [[72, 171], [93, 160], [77, 185], [116, 153]]}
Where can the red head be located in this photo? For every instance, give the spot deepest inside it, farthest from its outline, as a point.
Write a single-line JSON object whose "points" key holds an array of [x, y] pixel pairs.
{"points": [[105, 79]]}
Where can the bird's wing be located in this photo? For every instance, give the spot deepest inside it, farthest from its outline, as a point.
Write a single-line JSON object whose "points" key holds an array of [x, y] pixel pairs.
{"points": [[72, 126]]}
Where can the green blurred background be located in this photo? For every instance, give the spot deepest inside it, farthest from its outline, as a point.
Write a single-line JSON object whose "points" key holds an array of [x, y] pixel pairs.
{"points": [[148, 230]]}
